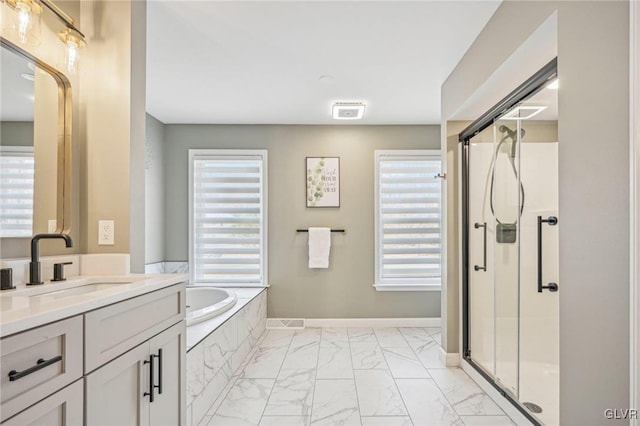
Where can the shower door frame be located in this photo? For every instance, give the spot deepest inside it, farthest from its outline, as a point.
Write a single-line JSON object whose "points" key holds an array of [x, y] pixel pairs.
{"points": [[531, 86]]}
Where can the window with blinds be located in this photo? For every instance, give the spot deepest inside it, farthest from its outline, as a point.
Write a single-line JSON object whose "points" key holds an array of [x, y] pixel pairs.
{"points": [[228, 224], [16, 191], [408, 220]]}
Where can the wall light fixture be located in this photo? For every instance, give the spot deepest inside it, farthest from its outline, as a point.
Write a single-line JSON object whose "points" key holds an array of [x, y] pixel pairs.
{"points": [[27, 23]]}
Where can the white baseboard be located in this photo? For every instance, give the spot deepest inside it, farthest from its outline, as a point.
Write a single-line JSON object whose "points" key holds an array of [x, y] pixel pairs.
{"points": [[372, 322], [449, 359], [516, 416]]}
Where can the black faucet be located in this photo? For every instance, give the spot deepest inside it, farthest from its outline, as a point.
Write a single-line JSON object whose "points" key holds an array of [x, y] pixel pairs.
{"points": [[34, 265]]}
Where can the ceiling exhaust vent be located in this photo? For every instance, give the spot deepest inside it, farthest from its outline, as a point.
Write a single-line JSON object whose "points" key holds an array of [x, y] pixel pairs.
{"points": [[348, 110]]}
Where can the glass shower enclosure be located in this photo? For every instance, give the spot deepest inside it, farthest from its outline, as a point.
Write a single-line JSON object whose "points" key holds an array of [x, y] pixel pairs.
{"points": [[510, 246]]}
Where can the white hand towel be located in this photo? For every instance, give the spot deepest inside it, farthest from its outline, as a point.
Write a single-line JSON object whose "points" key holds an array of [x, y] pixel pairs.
{"points": [[319, 247]]}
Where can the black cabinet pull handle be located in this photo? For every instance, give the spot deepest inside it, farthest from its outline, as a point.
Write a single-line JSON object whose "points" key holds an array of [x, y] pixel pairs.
{"points": [[40, 364], [159, 386], [151, 381], [484, 250], [552, 221]]}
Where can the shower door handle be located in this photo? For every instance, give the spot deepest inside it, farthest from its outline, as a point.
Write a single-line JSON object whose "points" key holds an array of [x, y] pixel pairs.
{"points": [[552, 221], [484, 249]]}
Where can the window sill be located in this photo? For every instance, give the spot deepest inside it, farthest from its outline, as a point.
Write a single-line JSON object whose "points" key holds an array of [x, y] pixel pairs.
{"points": [[229, 285], [407, 287]]}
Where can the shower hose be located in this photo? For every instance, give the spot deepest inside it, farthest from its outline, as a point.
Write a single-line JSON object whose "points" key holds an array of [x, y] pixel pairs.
{"points": [[510, 134]]}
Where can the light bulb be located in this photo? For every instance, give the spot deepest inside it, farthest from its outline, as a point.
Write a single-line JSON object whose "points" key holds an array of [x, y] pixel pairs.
{"points": [[73, 40], [72, 56], [27, 21], [24, 20]]}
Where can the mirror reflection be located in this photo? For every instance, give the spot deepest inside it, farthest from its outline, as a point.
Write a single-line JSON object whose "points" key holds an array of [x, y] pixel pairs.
{"points": [[28, 148]]}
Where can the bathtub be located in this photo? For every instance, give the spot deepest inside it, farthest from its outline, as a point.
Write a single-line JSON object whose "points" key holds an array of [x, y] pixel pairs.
{"points": [[204, 303]]}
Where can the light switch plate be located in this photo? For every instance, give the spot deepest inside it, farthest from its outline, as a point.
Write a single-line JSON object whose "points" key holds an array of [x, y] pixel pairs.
{"points": [[106, 231]]}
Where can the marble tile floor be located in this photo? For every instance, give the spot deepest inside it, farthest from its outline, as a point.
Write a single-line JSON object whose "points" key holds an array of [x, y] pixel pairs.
{"points": [[360, 376]]}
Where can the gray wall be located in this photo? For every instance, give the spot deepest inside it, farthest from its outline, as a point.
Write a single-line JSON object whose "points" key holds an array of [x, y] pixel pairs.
{"points": [[154, 191], [345, 289], [593, 123], [16, 133]]}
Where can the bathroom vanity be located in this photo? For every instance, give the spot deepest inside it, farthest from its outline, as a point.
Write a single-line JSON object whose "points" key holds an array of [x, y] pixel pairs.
{"points": [[94, 350]]}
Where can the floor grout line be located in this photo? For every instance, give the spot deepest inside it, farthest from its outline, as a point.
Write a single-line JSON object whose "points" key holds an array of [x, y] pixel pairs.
{"points": [[277, 374]]}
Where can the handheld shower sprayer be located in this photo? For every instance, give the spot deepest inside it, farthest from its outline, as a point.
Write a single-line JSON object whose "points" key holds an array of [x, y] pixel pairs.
{"points": [[506, 232], [511, 134]]}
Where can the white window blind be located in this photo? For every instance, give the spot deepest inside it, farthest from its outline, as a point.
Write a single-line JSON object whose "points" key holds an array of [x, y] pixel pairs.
{"points": [[228, 217], [408, 220], [16, 191]]}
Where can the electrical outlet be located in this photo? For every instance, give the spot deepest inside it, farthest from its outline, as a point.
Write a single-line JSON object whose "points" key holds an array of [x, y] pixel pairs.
{"points": [[106, 230], [52, 225]]}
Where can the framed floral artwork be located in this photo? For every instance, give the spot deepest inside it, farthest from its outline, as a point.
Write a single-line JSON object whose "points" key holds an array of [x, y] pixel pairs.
{"points": [[323, 182]]}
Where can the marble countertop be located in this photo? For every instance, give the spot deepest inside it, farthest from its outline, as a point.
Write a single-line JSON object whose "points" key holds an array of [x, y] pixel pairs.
{"points": [[28, 307]]}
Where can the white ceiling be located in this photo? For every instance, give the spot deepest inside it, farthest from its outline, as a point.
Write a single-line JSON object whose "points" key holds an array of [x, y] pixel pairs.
{"points": [[261, 62]]}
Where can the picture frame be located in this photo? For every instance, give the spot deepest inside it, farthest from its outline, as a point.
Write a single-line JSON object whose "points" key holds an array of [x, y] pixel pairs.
{"points": [[322, 182]]}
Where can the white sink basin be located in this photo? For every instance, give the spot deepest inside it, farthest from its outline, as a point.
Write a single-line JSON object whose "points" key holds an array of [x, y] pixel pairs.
{"points": [[75, 291]]}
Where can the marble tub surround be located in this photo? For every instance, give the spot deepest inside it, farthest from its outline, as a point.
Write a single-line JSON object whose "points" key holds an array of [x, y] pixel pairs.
{"points": [[29, 307], [81, 264], [253, 319], [167, 268], [217, 347], [276, 386]]}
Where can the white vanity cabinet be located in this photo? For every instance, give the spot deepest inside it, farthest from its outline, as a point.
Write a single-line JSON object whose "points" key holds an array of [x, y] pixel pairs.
{"points": [[145, 386], [38, 362], [122, 363], [134, 370], [63, 408]]}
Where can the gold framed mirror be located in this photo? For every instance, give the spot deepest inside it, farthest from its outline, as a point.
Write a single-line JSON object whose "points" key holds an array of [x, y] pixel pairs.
{"points": [[35, 146]]}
